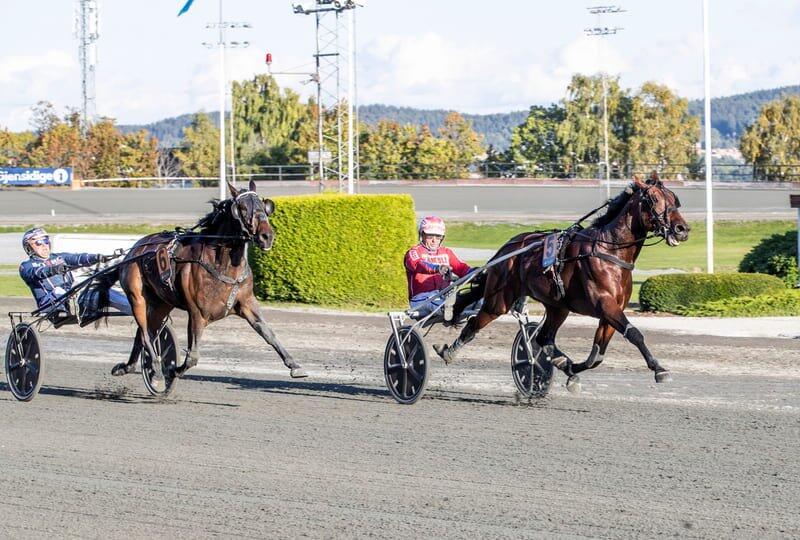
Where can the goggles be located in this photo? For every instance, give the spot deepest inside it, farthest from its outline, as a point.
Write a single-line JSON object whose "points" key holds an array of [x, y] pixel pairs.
{"points": [[41, 241]]}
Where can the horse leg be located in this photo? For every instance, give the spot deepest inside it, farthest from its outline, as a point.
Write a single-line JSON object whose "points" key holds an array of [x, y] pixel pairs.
{"points": [[448, 353], [612, 313], [124, 368], [546, 339], [250, 311], [194, 332], [140, 315], [602, 337]]}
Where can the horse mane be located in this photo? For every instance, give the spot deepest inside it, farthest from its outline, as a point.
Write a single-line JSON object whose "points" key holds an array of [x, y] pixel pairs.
{"points": [[615, 206], [212, 221]]}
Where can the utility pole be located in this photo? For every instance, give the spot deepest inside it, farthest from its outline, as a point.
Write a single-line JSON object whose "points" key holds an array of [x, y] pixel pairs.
{"points": [[601, 31], [87, 31], [221, 44], [707, 125], [333, 17]]}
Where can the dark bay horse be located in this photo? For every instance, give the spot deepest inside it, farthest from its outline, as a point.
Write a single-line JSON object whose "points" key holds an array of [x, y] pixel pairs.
{"points": [[205, 273], [596, 273]]}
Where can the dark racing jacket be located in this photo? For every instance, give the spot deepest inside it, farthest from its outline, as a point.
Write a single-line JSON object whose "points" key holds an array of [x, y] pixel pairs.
{"points": [[50, 278]]}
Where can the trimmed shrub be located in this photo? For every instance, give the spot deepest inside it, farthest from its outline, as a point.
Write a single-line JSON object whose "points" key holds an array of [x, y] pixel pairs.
{"points": [[776, 255], [671, 292], [785, 303], [337, 249]]}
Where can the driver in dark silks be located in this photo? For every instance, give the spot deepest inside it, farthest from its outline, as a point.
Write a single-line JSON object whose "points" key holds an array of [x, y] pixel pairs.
{"points": [[49, 277]]}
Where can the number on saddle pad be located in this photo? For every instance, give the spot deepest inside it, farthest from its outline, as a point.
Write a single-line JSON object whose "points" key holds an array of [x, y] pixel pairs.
{"points": [[549, 251]]}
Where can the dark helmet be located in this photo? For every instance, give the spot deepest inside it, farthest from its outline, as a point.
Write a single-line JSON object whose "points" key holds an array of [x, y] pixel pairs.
{"points": [[32, 234]]}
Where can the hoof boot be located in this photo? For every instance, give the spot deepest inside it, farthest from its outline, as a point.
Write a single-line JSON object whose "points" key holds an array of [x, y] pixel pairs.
{"points": [[298, 373], [663, 376], [574, 384]]}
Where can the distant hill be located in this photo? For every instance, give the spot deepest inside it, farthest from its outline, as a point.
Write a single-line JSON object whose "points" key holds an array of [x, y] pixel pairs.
{"points": [[730, 116], [168, 131], [496, 128]]}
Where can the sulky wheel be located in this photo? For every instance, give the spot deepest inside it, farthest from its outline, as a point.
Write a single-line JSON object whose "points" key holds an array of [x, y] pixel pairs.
{"points": [[406, 380], [166, 346], [531, 378], [24, 363]]}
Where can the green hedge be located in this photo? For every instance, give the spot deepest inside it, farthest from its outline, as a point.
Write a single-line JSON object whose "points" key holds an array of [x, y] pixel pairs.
{"points": [[785, 303], [337, 250], [776, 255], [673, 292]]}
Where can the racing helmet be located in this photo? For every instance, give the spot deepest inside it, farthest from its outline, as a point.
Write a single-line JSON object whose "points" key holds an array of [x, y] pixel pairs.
{"points": [[431, 225], [32, 234]]}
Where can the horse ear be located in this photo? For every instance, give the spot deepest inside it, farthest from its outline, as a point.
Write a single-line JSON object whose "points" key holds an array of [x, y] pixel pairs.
{"points": [[252, 186], [269, 206], [637, 182], [232, 189]]}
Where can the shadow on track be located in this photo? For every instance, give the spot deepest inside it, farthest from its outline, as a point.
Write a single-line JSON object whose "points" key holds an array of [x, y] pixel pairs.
{"points": [[369, 394]]}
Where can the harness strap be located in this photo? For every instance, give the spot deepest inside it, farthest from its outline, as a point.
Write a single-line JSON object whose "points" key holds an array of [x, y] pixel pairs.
{"points": [[612, 259], [236, 282]]}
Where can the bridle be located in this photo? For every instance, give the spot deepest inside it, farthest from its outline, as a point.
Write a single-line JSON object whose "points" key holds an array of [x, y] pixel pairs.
{"points": [[258, 213], [661, 220]]}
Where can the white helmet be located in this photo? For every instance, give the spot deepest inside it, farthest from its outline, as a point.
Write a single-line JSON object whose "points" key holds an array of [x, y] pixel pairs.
{"points": [[431, 225]]}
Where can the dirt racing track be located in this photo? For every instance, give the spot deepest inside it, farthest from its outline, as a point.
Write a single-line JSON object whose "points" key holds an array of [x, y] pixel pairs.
{"points": [[242, 450]]}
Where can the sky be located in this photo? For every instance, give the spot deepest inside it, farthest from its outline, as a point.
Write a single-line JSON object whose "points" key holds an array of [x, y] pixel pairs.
{"points": [[471, 56]]}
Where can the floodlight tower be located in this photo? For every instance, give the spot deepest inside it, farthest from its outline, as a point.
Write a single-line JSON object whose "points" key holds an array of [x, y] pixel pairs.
{"points": [[221, 44], [87, 31], [335, 86], [601, 31]]}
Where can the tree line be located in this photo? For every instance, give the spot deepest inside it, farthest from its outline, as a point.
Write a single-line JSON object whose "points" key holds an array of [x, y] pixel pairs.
{"points": [[649, 127]]}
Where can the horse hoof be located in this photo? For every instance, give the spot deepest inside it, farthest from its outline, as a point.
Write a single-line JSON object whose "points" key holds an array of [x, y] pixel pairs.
{"points": [[444, 353], [298, 373], [120, 369], [158, 384], [663, 376], [574, 384]]}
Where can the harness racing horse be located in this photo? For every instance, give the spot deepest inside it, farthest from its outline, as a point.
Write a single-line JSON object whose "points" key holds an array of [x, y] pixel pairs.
{"points": [[205, 273], [595, 277]]}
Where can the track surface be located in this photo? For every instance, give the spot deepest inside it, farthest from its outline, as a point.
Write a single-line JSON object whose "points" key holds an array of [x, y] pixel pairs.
{"points": [[243, 450], [516, 203]]}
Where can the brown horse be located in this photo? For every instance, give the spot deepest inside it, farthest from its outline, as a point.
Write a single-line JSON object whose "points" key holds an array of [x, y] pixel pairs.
{"points": [[205, 273], [595, 267]]}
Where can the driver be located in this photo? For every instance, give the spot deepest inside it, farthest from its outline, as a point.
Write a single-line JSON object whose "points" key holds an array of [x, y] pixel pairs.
{"points": [[429, 266], [49, 276]]}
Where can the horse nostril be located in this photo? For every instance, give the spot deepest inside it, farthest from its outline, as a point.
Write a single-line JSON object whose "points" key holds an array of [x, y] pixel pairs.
{"points": [[679, 229]]}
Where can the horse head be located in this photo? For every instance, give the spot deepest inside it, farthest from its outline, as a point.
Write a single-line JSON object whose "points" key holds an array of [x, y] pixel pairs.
{"points": [[659, 210], [253, 213]]}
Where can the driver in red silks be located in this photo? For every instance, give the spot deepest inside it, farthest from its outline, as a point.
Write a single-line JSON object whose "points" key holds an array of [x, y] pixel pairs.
{"points": [[429, 265]]}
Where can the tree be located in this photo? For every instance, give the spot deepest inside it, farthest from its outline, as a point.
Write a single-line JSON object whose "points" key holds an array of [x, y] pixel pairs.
{"points": [[14, 147], [271, 126], [385, 148], [436, 157], [772, 142], [536, 142], [661, 130], [466, 145], [200, 154], [581, 132]]}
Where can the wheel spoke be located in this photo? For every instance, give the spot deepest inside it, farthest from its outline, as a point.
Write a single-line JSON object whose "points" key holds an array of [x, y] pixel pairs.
{"points": [[414, 375], [404, 382], [393, 367], [521, 364]]}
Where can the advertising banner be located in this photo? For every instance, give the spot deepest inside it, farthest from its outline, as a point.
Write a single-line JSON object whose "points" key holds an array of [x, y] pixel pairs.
{"points": [[16, 176]]}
